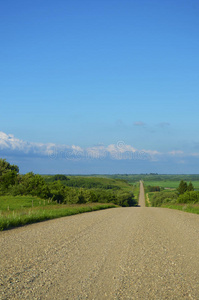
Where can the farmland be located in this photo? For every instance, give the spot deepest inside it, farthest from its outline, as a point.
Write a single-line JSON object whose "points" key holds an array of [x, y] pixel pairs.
{"points": [[168, 195], [32, 197], [23, 210]]}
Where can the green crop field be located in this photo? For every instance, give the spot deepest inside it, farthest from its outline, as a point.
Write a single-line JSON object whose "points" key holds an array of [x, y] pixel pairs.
{"points": [[161, 180], [163, 184], [170, 184]]}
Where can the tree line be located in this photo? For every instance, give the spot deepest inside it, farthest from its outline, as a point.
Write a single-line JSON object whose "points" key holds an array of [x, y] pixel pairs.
{"points": [[58, 188]]}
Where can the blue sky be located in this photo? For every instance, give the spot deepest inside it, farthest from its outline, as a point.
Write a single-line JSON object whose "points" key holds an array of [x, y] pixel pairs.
{"points": [[100, 74]]}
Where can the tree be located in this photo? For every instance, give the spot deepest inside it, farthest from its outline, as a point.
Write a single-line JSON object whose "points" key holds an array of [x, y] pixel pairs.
{"points": [[60, 177], [190, 187], [57, 191], [8, 174], [81, 197], [182, 188], [8, 179], [6, 167], [34, 185], [153, 188], [125, 199]]}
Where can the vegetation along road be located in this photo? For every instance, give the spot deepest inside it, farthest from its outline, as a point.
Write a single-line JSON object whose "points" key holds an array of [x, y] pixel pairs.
{"points": [[120, 253]]}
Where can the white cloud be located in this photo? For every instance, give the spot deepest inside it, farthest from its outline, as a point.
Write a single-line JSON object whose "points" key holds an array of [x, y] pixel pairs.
{"points": [[176, 152], [139, 123], [54, 155], [195, 154], [152, 152], [96, 151], [77, 148], [119, 151], [9, 142], [115, 151]]}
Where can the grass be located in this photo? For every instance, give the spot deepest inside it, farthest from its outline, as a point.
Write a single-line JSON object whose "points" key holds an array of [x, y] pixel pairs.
{"points": [[20, 202], [191, 208], [90, 182], [136, 190], [163, 184], [18, 211], [173, 184], [147, 200]]}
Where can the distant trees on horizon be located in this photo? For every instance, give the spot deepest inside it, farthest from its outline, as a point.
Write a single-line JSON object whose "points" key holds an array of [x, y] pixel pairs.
{"points": [[61, 189]]}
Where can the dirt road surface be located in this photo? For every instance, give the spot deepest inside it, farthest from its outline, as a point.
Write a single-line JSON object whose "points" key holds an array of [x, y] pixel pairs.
{"points": [[141, 195], [122, 253]]}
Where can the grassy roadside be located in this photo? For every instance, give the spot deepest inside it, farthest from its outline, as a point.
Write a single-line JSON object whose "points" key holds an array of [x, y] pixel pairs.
{"points": [[185, 207], [146, 194], [147, 200], [15, 218], [136, 190], [191, 208]]}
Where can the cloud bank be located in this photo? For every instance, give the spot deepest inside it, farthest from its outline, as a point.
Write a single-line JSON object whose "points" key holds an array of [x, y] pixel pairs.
{"points": [[120, 151], [112, 158]]}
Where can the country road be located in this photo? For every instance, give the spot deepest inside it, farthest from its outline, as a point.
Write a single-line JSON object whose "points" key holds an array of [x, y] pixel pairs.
{"points": [[122, 253], [141, 195]]}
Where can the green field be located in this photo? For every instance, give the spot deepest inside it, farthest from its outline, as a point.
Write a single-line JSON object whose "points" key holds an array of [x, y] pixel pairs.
{"points": [[32, 198], [22, 210], [168, 196], [10, 203], [155, 177], [169, 184], [161, 180], [163, 184]]}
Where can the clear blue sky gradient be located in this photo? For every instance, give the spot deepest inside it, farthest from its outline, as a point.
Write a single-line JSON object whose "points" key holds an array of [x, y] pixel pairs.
{"points": [[89, 72]]}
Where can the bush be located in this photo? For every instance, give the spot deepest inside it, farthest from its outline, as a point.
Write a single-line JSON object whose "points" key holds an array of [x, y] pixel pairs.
{"points": [[153, 188], [163, 197], [189, 197], [63, 189]]}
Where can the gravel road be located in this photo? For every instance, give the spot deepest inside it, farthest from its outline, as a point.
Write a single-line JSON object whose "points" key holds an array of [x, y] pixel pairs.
{"points": [[121, 253], [141, 195]]}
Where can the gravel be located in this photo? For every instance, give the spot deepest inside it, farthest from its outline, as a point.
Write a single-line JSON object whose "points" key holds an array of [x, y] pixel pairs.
{"points": [[120, 253]]}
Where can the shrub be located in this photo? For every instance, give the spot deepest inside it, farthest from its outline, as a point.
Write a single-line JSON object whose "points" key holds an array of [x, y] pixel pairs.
{"points": [[163, 197], [189, 197], [153, 188]]}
